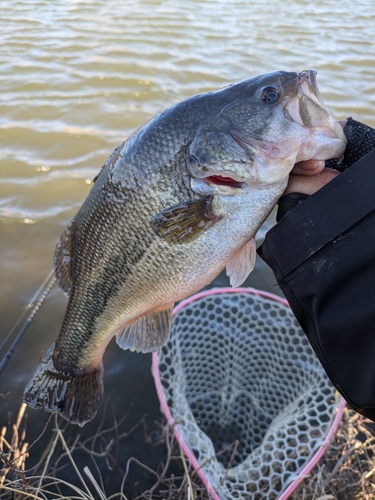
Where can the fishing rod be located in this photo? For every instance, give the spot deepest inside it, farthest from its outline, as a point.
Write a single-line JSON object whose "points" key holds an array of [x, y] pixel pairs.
{"points": [[39, 296]]}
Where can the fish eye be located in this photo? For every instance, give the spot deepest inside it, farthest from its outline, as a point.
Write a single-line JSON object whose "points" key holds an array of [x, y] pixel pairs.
{"points": [[270, 94]]}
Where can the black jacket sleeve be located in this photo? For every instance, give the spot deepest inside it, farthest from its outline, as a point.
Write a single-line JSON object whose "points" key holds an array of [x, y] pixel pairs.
{"points": [[322, 253]]}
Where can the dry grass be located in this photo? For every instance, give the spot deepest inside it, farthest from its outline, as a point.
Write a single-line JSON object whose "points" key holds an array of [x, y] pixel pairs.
{"points": [[14, 452], [346, 472], [44, 480]]}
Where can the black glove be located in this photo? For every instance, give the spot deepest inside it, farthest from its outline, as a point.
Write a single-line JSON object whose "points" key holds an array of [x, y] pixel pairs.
{"points": [[361, 140]]}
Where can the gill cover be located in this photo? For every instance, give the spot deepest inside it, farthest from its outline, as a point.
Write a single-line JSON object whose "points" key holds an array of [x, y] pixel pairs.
{"points": [[215, 151]]}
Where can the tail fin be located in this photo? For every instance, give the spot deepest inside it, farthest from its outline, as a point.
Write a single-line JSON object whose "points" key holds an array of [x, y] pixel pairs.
{"points": [[77, 399]]}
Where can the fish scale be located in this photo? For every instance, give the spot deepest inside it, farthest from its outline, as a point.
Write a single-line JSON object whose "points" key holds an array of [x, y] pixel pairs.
{"points": [[121, 259], [177, 202]]}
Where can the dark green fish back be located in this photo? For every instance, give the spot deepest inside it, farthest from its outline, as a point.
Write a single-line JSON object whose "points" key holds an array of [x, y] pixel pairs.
{"points": [[111, 233]]}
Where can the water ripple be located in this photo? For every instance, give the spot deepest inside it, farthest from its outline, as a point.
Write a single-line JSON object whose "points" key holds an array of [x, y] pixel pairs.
{"points": [[78, 77]]}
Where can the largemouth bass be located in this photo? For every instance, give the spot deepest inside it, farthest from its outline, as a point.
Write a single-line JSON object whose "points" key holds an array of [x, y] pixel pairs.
{"points": [[181, 199]]}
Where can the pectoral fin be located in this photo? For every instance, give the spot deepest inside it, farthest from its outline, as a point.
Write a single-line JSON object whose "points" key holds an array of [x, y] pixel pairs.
{"points": [[62, 260], [148, 333], [183, 223], [242, 263]]}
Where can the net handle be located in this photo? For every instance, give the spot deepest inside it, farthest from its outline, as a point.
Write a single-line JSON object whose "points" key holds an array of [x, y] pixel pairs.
{"points": [[185, 448]]}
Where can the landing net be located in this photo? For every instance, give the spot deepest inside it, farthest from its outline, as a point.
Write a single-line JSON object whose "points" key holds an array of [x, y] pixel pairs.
{"points": [[250, 403]]}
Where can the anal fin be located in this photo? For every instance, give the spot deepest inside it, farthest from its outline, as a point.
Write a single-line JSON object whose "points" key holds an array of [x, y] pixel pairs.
{"points": [[148, 333], [242, 263], [76, 398]]}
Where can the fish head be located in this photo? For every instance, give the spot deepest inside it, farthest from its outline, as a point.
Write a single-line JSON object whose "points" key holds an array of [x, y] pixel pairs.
{"points": [[260, 128]]}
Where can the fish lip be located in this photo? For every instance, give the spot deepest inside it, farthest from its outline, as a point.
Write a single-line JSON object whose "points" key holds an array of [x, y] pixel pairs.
{"points": [[308, 75], [308, 86], [220, 180], [213, 176], [233, 187]]}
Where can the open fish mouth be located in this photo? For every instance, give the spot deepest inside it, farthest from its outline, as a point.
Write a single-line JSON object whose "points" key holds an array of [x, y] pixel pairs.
{"points": [[308, 108], [309, 76]]}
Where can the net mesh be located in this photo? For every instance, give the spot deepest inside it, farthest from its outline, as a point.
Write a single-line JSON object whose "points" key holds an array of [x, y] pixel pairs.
{"points": [[246, 392]]}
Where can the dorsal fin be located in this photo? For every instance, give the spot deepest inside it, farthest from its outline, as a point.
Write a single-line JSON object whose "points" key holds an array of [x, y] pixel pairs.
{"points": [[148, 333], [242, 263], [62, 260]]}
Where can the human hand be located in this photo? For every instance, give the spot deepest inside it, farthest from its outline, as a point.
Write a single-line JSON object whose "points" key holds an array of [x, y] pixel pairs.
{"points": [[309, 176], [314, 167], [310, 183]]}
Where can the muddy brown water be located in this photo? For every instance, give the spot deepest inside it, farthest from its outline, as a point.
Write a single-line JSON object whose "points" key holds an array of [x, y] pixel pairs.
{"points": [[77, 77]]}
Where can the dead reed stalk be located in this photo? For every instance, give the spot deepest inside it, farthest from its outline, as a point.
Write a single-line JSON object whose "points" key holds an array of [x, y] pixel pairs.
{"points": [[347, 471]]}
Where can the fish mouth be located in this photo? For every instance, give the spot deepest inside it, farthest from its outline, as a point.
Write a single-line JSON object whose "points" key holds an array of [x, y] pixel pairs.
{"points": [[308, 75], [307, 108], [219, 180], [325, 138], [308, 86]]}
